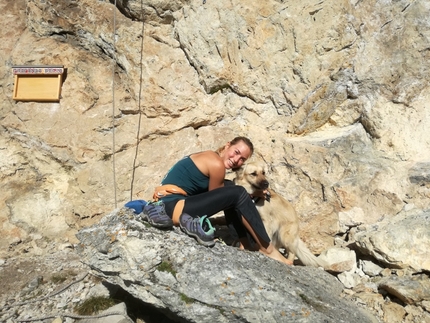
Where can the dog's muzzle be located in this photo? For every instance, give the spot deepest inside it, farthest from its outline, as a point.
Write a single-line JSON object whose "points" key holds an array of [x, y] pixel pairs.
{"points": [[264, 185]]}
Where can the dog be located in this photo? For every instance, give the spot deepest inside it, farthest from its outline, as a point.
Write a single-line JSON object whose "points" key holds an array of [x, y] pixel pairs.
{"points": [[279, 216]]}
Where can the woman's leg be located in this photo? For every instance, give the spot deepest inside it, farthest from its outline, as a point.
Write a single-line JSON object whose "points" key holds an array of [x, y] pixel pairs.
{"points": [[212, 202], [266, 248], [245, 215], [234, 201]]}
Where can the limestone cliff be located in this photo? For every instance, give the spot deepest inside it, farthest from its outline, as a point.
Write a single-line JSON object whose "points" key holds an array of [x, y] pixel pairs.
{"points": [[334, 95]]}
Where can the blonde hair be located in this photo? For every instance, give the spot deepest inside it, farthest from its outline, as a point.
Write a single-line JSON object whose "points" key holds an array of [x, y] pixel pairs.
{"points": [[245, 140]]}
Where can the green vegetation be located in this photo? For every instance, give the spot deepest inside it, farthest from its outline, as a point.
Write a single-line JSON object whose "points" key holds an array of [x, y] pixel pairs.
{"points": [[58, 278], [146, 224], [187, 299], [94, 305], [61, 277], [166, 266]]}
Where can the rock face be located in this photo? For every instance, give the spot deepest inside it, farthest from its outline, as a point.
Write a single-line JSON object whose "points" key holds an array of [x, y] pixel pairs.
{"points": [[333, 94], [400, 242], [192, 283]]}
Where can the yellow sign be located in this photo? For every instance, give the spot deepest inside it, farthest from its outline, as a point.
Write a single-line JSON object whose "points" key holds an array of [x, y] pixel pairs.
{"points": [[37, 83]]}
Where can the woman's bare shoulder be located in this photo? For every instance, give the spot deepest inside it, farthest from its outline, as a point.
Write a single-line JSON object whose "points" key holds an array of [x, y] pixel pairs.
{"points": [[207, 161], [205, 154]]}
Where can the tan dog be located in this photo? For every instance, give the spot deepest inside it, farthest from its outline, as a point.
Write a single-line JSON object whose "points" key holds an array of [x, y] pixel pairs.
{"points": [[278, 215]]}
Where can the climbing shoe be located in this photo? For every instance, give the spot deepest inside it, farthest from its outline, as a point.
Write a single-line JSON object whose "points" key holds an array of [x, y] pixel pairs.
{"points": [[199, 228], [156, 215]]}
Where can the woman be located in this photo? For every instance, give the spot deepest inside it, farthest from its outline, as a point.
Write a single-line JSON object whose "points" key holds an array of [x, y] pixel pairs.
{"points": [[194, 189]]}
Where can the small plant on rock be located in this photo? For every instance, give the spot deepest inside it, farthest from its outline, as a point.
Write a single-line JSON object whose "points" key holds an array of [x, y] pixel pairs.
{"points": [[186, 299], [61, 277], [166, 266], [94, 305]]}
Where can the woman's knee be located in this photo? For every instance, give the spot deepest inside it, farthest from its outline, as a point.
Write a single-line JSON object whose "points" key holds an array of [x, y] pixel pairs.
{"points": [[242, 194], [238, 190]]}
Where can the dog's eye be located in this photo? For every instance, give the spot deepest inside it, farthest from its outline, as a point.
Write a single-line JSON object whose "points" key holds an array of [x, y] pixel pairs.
{"points": [[254, 174]]}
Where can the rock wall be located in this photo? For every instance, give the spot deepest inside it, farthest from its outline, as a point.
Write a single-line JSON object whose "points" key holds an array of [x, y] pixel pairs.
{"points": [[333, 94]]}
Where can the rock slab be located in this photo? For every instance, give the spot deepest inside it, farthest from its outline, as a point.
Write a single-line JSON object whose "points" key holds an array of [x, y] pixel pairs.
{"points": [[192, 283]]}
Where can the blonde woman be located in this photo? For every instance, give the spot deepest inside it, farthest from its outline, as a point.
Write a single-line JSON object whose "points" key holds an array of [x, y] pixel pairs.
{"points": [[194, 189]]}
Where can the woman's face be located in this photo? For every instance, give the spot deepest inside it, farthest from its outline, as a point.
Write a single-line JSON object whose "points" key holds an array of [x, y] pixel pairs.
{"points": [[235, 155]]}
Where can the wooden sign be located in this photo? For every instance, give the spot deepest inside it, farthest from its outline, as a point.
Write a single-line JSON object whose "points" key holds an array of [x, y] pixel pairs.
{"points": [[38, 83]]}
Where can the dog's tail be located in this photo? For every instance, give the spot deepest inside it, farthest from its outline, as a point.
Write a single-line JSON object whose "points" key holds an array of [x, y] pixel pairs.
{"points": [[306, 256]]}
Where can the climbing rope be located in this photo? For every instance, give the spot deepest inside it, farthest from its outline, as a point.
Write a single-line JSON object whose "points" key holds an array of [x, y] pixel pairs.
{"points": [[139, 103], [113, 103]]}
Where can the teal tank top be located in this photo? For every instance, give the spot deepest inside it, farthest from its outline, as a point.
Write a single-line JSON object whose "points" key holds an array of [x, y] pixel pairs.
{"points": [[187, 176]]}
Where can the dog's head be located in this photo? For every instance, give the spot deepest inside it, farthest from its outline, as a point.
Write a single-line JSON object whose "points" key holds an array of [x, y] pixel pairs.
{"points": [[252, 176]]}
